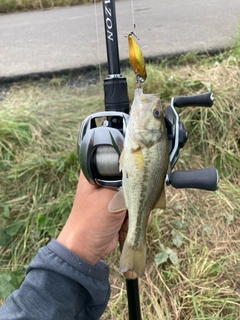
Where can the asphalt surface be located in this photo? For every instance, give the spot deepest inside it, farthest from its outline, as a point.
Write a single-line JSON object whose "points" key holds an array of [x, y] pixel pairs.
{"points": [[61, 39]]}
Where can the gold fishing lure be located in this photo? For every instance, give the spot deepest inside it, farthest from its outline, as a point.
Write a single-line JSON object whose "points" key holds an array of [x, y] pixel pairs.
{"points": [[136, 59]]}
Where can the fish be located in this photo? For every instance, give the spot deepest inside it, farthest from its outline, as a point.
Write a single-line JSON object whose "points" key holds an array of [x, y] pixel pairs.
{"points": [[144, 163], [136, 59]]}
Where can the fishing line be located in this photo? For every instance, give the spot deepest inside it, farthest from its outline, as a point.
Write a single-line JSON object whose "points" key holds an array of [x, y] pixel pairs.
{"points": [[97, 35], [134, 26]]}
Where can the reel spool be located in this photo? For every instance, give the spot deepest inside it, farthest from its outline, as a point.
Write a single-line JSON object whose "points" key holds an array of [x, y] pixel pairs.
{"points": [[99, 148]]}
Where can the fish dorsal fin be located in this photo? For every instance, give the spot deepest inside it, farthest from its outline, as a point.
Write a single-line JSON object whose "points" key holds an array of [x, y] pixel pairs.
{"points": [[117, 203], [161, 204]]}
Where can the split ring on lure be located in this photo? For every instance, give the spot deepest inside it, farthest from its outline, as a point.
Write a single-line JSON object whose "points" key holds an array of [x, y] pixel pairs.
{"points": [[136, 59]]}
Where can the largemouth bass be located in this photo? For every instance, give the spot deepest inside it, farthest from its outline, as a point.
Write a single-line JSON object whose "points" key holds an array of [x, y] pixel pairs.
{"points": [[144, 163]]}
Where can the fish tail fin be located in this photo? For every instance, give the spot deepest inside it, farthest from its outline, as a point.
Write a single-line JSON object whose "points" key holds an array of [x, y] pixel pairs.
{"points": [[133, 258]]}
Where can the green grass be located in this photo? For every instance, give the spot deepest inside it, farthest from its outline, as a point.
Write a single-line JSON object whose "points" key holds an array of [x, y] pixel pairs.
{"points": [[7, 6], [39, 123]]}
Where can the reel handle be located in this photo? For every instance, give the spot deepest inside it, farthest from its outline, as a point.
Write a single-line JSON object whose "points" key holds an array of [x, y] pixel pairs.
{"points": [[200, 100], [205, 179]]}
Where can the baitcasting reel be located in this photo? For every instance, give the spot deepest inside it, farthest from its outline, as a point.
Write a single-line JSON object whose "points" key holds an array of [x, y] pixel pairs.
{"points": [[101, 140]]}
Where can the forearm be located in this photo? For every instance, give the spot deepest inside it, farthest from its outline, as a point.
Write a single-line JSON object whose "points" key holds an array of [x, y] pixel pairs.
{"points": [[59, 285]]}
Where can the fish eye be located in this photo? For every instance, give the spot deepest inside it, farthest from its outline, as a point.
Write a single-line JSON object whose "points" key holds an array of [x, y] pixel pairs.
{"points": [[157, 112]]}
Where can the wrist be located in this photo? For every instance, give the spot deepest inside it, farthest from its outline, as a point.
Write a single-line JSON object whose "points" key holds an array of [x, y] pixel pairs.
{"points": [[75, 244]]}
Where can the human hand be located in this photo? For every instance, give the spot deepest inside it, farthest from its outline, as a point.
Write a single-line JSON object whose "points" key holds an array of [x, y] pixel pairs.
{"points": [[91, 231]]}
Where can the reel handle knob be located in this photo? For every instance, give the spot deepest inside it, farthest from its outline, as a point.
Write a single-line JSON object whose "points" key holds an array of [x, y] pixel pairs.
{"points": [[200, 100], [206, 179]]}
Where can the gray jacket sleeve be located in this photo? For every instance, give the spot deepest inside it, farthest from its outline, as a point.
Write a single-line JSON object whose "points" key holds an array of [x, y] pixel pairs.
{"points": [[59, 285]]}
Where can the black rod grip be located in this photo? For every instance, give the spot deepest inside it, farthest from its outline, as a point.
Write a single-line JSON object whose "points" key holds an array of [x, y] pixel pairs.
{"points": [[206, 179], [116, 94], [134, 309], [200, 100]]}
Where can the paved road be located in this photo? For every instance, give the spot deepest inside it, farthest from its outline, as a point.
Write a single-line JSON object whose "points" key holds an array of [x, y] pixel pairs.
{"points": [[66, 38]]}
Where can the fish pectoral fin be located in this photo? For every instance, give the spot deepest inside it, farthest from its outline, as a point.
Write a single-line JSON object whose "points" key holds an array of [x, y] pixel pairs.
{"points": [[161, 204], [139, 159], [117, 203]]}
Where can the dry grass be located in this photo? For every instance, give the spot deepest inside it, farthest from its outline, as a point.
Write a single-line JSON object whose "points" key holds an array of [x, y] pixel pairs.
{"points": [[206, 286], [39, 123]]}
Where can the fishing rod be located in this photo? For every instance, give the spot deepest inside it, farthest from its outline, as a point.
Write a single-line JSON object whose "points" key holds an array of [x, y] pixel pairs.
{"points": [[100, 146]]}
